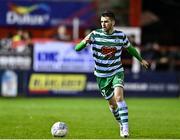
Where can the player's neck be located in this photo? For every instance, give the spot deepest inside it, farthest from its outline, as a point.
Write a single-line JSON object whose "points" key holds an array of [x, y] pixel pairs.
{"points": [[110, 31]]}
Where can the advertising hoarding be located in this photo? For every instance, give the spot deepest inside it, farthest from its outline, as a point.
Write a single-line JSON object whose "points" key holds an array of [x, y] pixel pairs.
{"points": [[55, 56], [146, 84], [45, 13]]}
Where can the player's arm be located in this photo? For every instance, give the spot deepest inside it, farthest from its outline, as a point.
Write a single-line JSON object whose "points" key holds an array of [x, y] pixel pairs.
{"points": [[83, 43], [131, 50], [80, 46]]}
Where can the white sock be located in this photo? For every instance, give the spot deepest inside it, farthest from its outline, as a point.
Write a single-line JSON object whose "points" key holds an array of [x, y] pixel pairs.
{"points": [[123, 111]]}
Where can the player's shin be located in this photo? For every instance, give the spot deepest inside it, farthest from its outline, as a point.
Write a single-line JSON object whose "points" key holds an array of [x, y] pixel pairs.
{"points": [[123, 112], [116, 114]]}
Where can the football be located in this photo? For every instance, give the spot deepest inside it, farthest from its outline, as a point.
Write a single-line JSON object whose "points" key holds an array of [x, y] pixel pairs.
{"points": [[59, 129]]}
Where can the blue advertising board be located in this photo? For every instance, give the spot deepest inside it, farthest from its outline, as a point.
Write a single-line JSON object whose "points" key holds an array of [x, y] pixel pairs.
{"points": [[45, 13], [56, 56], [152, 84], [146, 84]]}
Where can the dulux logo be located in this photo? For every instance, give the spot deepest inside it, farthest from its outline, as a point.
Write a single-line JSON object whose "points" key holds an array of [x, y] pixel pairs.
{"points": [[21, 15]]}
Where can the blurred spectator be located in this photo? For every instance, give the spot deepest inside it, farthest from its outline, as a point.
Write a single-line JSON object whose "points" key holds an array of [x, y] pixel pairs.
{"points": [[27, 39], [174, 58], [148, 51], [17, 43], [22, 41], [62, 34], [18, 35], [162, 62], [6, 43], [158, 55], [162, 59], [151, 52]]}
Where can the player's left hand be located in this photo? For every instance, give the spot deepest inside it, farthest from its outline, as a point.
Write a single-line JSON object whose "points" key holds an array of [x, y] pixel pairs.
{"points": [[145, 64]]}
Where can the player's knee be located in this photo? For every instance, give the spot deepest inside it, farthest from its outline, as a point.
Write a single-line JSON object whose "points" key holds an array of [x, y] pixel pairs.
{"points": [[119, 98]]}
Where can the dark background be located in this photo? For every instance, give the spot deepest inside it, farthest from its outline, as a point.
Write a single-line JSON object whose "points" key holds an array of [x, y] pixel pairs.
{"points": [[166, 30]]}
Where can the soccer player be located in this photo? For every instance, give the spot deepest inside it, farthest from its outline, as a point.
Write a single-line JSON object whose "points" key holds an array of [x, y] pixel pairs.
{"points": [[107, 44]]}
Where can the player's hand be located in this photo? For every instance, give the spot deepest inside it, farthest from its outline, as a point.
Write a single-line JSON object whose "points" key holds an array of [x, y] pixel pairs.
{"points": [[87, 38], [145, 64]]}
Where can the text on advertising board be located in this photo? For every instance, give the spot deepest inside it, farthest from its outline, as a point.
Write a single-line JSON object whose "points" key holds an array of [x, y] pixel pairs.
{"points": [[57, 82]]}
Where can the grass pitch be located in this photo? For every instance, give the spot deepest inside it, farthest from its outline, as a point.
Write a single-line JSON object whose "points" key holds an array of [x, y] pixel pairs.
{"points": [[32, 118]]}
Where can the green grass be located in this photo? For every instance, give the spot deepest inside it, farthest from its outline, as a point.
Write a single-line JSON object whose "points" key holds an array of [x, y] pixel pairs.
{"points": [[32, 118]]}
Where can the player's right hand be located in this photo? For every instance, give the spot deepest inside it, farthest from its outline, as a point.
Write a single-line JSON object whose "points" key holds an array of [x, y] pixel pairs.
{"points": [[87, 38]]}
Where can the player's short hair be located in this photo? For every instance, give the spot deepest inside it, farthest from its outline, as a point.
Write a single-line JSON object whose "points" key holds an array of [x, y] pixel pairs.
{"points": [[108, 14]]}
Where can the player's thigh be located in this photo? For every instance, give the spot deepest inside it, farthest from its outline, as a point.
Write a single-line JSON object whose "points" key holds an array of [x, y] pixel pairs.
{"points": [[118, 80], [105, 87], [118, 84]]}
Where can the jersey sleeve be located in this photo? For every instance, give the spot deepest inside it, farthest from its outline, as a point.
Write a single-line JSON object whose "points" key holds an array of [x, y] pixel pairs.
{"points": [[91, 38], [126, 42], [82, 45]]}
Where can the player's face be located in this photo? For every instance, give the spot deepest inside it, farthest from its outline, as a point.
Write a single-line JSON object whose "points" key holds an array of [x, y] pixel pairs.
{"points": [[107, 24]]}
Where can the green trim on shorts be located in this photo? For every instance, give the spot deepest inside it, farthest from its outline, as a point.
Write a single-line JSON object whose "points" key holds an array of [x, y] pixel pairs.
{"points": [[110, 96], [107, 84], [118, 85]]}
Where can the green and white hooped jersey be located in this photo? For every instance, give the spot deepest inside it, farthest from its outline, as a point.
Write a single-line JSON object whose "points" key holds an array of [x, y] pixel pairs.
{"points": [[107, 49]]}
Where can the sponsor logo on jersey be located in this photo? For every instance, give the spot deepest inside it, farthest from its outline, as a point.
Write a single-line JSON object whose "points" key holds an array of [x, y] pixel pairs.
{"points": [[108, 51]]}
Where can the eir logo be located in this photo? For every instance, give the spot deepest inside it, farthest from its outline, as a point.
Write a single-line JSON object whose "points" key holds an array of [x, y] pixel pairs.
{"points": [[108, 51]]}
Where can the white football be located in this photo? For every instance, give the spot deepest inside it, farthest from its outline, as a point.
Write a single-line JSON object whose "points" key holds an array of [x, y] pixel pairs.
{"points": [[59, 129]]}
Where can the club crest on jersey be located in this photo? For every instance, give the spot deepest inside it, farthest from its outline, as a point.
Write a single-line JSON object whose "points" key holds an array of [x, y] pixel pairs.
{"points": [[108, 51]]}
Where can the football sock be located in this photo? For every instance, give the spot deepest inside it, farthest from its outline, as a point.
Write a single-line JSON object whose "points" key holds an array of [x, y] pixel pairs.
{"points": [[116, 114], [123, 112]]}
